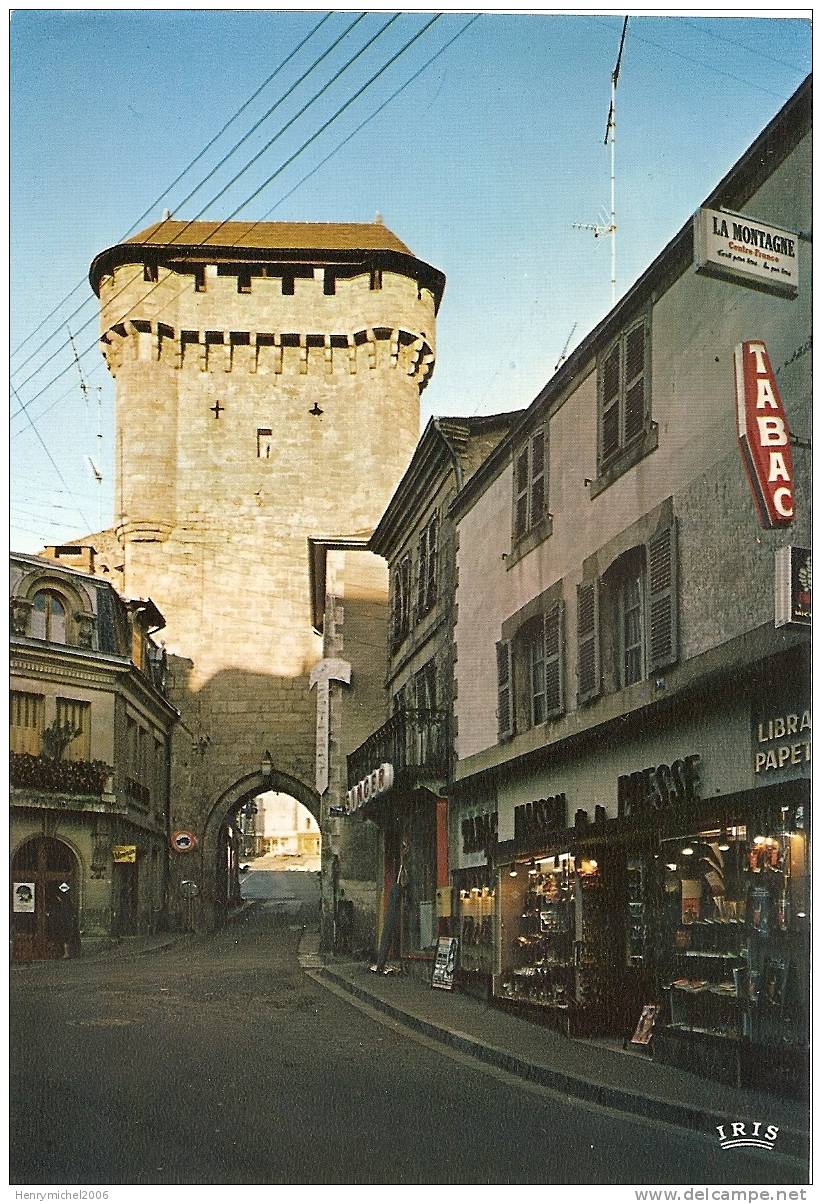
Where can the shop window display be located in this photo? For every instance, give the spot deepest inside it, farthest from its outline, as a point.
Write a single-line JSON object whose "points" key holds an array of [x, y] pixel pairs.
{"points": [[553, 926], [735, 919], [476, 924]]}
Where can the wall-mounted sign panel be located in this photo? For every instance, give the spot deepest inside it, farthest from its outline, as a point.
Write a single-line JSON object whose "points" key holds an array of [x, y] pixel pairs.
{"points": [[124, 854], [793, 596], [764, 439], [743, 249], [23, 896], [378, 782]]}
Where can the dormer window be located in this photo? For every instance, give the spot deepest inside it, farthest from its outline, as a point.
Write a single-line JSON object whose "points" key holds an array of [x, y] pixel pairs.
{"points": [[48, 617]]}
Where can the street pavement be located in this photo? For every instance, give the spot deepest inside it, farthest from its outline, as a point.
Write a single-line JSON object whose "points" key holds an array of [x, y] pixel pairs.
{"points": [[219, 1061]]}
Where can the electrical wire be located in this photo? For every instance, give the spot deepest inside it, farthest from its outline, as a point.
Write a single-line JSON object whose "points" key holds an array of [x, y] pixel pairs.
{"points": [[177, 180], [52, 460], [190, 222], [24, 405]]}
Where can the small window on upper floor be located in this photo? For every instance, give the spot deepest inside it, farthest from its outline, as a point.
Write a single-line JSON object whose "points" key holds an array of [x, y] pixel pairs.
{"points": [[264, 443], [376, 279], [150, 273], [244, 280], [48, 617], [400, 602], [530, 484], [26, 722], [624, 394], [329, 283], [427, 568], [200, 279], [288, 286]]}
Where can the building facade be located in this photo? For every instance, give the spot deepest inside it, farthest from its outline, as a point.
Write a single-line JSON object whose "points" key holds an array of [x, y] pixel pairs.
{"points": [[90, 734], [268, 379], [630, 808], [410, 750]]}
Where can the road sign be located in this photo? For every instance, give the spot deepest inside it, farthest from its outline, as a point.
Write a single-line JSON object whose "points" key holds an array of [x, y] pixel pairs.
{"points": [[183, 841]]}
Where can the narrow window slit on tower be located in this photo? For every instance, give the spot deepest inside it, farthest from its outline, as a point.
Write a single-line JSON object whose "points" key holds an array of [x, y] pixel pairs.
{"points": [[263, 443], [288, 286], [150, 274], [329, 283], [200, 279], [244, 280]]}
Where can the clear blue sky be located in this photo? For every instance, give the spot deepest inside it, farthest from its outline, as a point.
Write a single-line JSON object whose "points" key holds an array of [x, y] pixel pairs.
{"points": [[481, 166]]}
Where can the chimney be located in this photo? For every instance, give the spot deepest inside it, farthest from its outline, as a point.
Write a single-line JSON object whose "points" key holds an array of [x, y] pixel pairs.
{"points": [[73, 556]]}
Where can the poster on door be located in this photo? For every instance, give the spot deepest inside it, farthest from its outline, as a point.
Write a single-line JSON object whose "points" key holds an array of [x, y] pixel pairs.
{"points": [[23, 895]]}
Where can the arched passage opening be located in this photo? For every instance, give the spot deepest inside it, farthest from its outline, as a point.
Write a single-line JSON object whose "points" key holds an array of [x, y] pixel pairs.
{"points": [[234, 837]]}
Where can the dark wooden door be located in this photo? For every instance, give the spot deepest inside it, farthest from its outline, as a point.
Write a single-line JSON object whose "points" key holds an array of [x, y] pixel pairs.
{"points": [[44, 878]]}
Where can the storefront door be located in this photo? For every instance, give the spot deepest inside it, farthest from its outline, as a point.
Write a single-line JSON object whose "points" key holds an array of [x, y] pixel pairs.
{"points": [[44, 900], [125, 895]]}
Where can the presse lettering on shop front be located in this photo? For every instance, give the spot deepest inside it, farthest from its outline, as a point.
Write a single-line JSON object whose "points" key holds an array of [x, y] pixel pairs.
{"points": [[659, 786]]}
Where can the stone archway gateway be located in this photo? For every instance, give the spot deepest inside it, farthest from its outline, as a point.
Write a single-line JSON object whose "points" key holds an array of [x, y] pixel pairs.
{"points": [[206, 859]]}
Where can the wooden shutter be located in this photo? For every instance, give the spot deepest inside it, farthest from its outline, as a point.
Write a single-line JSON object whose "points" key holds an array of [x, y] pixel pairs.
{"points": [[609, 404], [431, 583], [422, 573], [661, 599], [554, 662], [521, 493], [536, 508], [588, 674], [505, 710], [634, 382], [78, 716], [26, 719]]}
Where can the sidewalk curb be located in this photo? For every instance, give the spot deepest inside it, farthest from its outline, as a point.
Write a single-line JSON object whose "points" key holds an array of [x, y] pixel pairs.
{"points": [[793, 1143]]}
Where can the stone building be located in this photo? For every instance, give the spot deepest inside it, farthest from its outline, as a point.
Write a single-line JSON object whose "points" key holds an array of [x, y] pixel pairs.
{"points": [[268, 379], [632, 704], [410, 742], [90, 732]]}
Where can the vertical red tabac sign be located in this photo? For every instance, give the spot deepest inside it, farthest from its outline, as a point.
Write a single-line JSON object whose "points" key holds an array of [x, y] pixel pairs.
{"points": [[764, 439]]}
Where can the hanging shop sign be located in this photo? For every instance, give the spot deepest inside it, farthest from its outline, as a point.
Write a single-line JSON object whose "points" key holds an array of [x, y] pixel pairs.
{"points": [[534, 822], [792, 587], [764, 439], [659, 787], [377, 782], [479, 832], [744, 250], [782, 742], [445, 963], [183, 841], [23, 896], [124, 854]]}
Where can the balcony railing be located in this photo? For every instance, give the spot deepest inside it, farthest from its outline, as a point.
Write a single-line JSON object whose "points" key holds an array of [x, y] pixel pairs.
{"points": [[64, 777], [415, 742]]}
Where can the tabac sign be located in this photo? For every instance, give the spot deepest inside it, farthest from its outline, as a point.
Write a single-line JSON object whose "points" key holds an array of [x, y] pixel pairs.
{"points": [[735, 247], [764, 440]]}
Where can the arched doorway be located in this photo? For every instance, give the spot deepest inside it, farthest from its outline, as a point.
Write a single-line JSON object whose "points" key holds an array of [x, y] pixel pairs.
{"points": [[224, 838], [44, 900]]}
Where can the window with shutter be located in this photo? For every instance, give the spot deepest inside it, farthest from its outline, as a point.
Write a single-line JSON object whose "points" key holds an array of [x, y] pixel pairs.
{"points": [[554, 662], [77, 716], [661, 599], [535, 654], [401, 602], [588, 672], [505, 714], [530, 484], [26, 721], [623, 393], [427, 569]]}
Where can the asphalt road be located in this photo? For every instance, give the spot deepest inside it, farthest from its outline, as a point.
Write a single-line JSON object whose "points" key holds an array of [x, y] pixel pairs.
{"points": [[220, 1061]]}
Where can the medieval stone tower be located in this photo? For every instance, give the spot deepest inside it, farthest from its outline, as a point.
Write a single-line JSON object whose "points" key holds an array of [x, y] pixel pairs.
{"points": [[268, 378]]}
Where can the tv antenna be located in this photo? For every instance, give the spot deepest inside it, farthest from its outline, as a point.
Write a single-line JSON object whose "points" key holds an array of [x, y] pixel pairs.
{"points": [[565, 348], [607, 222]]}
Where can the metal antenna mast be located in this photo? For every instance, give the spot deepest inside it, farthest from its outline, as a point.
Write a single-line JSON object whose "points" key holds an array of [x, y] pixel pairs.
{"points": [[610, 227]]}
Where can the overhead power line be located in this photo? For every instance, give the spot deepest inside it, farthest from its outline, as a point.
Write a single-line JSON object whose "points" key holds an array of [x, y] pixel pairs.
{"points": [[265, 184], [52, 460], [346, 31], [182, 174]]}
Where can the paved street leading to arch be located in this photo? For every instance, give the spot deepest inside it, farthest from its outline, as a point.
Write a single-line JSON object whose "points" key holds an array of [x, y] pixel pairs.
{"points": [[220, 1061]]}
